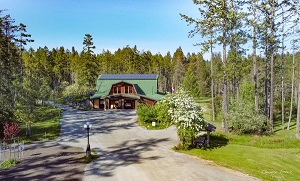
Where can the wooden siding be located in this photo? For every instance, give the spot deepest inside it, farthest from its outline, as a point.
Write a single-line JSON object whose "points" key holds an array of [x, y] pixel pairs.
{"points": [[122, 88]]}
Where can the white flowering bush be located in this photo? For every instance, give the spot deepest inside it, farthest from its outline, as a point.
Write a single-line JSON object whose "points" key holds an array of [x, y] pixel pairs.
{"points": [[186, 114]]}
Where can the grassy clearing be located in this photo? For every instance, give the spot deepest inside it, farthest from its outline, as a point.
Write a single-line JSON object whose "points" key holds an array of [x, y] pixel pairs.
{"points": [[268, 157], [46, 128]]}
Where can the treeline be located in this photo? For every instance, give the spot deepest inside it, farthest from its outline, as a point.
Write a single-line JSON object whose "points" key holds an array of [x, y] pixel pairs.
{"points": [[267, 79], [271, 26]]}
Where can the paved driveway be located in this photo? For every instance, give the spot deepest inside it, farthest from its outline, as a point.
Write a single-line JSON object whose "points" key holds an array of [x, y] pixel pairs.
{"points": [[129, 152]]}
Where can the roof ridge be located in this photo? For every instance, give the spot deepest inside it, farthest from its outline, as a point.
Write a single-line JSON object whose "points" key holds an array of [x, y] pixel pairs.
{"points": [[128, 77]]}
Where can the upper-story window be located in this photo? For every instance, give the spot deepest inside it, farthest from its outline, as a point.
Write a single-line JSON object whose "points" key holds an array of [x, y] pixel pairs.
{"points": [[130, 89], [126, 89], [115, 90], [119, 89]]}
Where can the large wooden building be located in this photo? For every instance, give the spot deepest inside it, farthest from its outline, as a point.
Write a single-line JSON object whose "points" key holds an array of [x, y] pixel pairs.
{"points": [[124, 91]]}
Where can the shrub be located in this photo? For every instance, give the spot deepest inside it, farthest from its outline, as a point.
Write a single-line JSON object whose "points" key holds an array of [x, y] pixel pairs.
{"points": [[11, 130], [162, 115], [242, 118], [146, 113], [186, 114]]}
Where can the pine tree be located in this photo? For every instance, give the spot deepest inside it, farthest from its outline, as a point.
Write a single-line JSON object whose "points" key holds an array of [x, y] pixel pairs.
{"points": [[190, 83], [178, 64]]}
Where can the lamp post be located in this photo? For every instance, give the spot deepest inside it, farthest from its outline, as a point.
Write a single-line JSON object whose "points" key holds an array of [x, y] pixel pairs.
{"points": [[88, 126]]}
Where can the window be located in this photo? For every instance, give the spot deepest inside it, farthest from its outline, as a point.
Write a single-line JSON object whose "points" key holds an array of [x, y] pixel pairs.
{"points": [[115, 90], [119, 89], [130, 89], [126, 89]]}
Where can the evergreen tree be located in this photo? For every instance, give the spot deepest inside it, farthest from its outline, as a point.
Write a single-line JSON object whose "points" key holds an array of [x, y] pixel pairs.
{"points": [[88, 43], [190, 83], [178, 64]]}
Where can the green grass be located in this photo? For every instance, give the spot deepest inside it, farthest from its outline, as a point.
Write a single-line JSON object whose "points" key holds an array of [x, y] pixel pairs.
{"points": [[264, 163], [93, 157], [268, 157], [8, 163], [47, 127], [203, 100], [149, 126]]}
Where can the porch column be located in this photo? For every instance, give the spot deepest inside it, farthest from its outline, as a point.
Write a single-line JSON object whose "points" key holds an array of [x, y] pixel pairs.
{"points": [[104, 102]]}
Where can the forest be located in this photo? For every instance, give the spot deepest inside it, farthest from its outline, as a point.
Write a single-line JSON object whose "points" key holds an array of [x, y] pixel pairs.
{"points": [[265, 81]]}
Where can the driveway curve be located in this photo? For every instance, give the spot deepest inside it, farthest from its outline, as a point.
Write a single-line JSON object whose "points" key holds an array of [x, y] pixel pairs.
{"points": [[129, 152]]}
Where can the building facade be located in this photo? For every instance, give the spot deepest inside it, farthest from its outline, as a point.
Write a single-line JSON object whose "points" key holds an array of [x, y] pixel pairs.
{"points": [[125, 91]]}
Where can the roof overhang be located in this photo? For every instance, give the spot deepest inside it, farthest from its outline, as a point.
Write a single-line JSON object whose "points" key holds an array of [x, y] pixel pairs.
{"points": [[123, 95]]}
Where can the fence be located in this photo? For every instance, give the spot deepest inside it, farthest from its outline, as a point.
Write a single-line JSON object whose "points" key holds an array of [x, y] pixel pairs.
{"points": [[13, 150]]}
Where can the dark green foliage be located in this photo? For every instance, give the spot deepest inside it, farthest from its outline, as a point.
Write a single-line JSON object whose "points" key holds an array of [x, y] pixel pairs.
{"points": [[146, 113], [187, 137], [157, 113], [162, 115], [247, 92], [190, 84], [30, 75]]}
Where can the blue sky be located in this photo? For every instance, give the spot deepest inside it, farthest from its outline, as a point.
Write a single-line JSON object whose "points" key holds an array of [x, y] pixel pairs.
{"points": [[153, 25]]}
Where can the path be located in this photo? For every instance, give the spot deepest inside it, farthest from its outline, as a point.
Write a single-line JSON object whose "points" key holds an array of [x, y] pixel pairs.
{"points": [[129, 152]]}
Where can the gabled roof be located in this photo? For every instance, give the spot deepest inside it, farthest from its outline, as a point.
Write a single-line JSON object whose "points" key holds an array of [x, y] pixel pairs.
{"points": [[128, 77], [144, 84]]}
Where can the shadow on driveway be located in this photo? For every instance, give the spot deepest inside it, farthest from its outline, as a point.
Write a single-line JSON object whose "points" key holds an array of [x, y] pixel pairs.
{"points": [[127, 153], [47, 161]]}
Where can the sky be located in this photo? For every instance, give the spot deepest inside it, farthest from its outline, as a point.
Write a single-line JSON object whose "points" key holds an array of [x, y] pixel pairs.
{"points": [[153, 25]]}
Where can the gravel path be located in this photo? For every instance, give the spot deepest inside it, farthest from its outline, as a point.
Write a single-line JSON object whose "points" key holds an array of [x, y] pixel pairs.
{"points": [[129, 152]]}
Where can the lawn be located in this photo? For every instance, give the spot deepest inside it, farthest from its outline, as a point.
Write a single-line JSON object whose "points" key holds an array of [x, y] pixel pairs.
{"points": [[47, 127], [268, 157]]}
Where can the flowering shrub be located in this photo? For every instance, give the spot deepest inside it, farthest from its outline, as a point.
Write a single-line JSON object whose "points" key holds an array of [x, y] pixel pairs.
{"points": [[11, 130], [186, 114]]}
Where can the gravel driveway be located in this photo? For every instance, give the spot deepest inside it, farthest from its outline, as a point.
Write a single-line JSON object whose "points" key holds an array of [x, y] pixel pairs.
{"points": [[129, 152]]}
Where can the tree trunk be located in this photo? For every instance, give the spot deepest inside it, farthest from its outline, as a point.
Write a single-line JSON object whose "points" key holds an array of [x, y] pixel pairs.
{"points": [[292, 93], [266, 85], [224, 95], [298, 115], [271, 93], [238, 92], [282, 75], [232, 95], [212, 82], [254, 58], [27, 129], [272, 67]]}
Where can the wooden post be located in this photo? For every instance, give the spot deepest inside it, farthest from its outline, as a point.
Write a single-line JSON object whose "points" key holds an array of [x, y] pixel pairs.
{"points": [[208, 139]]}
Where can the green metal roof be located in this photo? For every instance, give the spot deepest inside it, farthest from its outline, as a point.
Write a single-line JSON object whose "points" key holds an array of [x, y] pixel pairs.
{"points": [[128, 77], [144, 87]]}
